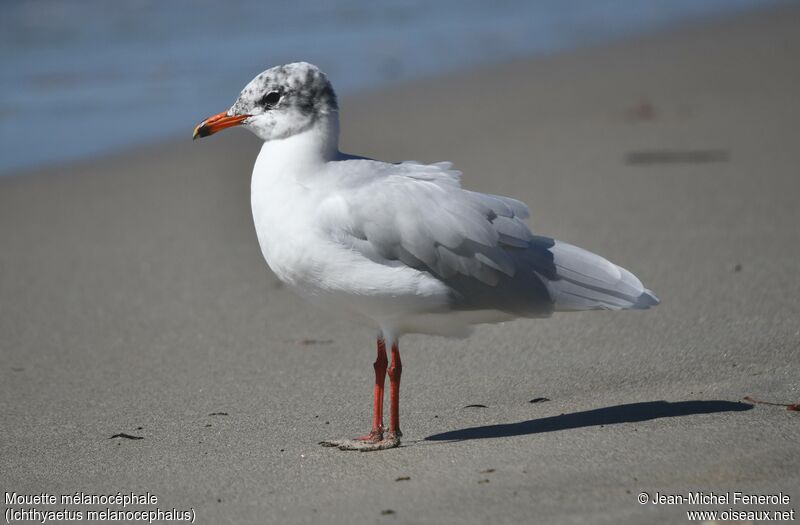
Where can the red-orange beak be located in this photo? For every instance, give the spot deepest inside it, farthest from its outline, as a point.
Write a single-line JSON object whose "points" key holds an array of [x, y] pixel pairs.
{"points": [[217, 123]]}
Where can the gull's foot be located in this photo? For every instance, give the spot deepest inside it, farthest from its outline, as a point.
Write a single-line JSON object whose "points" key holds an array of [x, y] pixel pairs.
{"points": [[368, 443]]}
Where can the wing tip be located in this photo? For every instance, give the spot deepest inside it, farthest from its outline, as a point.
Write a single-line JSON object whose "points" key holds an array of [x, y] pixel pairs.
{"points": [[645, 300]]}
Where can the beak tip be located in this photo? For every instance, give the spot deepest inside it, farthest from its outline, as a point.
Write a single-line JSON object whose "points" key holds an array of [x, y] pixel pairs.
{"points": [[217, 123]]}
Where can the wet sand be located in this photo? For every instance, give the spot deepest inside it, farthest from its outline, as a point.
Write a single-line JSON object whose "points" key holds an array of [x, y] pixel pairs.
{"points": [[134, 300]]}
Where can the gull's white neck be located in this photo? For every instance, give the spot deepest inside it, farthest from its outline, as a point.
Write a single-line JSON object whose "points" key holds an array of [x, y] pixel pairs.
{"points": [[280, 198], [301, 152]]}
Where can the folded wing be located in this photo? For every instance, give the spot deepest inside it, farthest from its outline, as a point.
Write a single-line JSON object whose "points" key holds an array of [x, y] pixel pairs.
{"points": [[478, 244]]}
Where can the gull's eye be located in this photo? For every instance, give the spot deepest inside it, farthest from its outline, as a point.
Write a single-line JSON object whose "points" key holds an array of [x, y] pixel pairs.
{"points": [[270, 99]]}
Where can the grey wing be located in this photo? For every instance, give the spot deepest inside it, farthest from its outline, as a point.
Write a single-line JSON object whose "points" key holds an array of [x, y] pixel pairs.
{"points": [[478, 245], [419, 215]]}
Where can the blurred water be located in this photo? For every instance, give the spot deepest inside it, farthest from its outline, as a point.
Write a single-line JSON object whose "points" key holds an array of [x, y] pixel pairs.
{"points": [[81, 77]]}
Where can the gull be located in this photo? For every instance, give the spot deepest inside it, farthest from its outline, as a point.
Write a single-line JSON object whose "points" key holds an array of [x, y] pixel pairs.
{"points": [[400, 246]]}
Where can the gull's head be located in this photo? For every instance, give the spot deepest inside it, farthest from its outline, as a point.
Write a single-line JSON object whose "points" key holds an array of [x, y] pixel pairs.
{"points": [[280, 102]]}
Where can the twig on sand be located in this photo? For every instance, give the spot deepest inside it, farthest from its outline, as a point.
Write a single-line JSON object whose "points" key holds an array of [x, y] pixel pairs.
{"points": [[793, 406], [126, 436]]}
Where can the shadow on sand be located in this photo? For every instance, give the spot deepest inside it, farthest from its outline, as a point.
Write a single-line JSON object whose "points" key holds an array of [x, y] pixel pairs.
{"points": [[630, 413]]}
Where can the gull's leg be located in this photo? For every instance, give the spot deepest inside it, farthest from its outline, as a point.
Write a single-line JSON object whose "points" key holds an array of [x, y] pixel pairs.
{"points": [[375, 439], [376, 434], [395, 371]]}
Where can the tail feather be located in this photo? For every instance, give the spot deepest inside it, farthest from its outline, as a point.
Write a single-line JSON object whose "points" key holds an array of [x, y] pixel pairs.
{"points": [[586, 281]]}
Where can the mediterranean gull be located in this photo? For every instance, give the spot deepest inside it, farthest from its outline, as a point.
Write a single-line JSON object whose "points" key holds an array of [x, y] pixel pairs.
{"points": [[401, 246]]}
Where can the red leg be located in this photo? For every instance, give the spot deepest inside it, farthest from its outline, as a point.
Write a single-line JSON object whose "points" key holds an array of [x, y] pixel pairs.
{"points": [[395, 371], [376, 434], [377, 439]]}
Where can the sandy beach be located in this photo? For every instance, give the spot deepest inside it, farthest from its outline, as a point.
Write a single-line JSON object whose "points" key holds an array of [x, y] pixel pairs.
{"points": [[134, 300]]}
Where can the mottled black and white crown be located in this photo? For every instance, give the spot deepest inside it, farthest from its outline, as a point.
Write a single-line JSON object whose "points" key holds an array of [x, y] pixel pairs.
{"points": [[300, 86]]}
